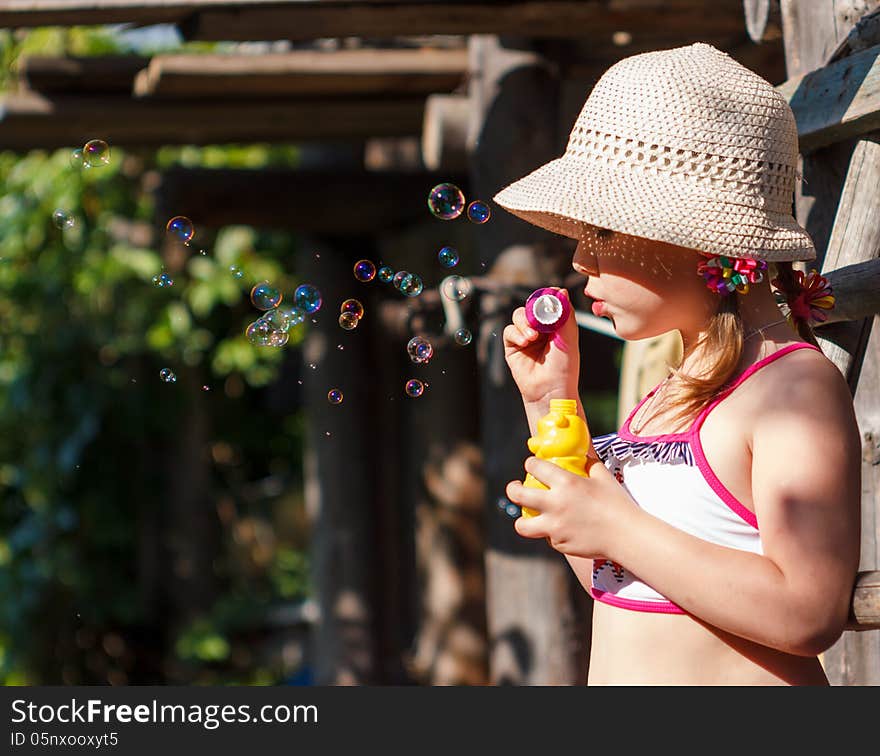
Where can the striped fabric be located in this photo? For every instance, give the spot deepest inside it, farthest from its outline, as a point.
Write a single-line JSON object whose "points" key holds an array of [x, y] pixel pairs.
{"points": [[611, 445]]}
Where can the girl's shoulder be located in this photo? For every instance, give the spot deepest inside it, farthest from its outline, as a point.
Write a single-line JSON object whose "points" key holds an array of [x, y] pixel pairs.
{"points": [[800, 380]]}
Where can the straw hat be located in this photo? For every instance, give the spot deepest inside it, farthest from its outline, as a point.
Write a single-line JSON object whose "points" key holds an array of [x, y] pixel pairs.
{"points": [[684, 146]]}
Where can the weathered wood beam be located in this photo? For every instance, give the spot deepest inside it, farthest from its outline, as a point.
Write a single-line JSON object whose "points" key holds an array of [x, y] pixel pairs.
{"points": [[837, 102], [254, 20], [316, 201], [865, 608], [30, 121], [99, 75], [341, 73], [857, 292]]}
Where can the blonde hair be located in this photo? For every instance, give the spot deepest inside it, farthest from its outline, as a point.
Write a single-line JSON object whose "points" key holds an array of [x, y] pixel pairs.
{"points": [[724, 338]]}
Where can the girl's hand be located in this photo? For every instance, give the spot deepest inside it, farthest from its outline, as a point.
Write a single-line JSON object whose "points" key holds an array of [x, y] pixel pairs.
{"points": [[578, 516], [542, 365]]}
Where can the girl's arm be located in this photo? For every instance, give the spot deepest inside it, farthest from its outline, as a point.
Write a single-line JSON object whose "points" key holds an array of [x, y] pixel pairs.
{"points": [[806, 484], [581, 566]]}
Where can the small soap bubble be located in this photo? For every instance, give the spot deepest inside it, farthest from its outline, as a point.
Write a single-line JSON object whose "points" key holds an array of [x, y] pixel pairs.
{"points": [[206, 387], [398, 278], [353, 306], [161, 280], [96, 152], [411, 285], [76, 158], [348, 320], [463, 337], [512, 510], [340, 347], [279, 319], [448, 257], [414, 387], [264, 296], [259, 332], [63, 219], [419, 349], [446, 201], [455, 288], [307, 298], [478, 211], [181, 228], [364, 270], [167, 375], [334, 396], [203, 252], [278, 338], [236, 271], [294, 314], [385, 274]]}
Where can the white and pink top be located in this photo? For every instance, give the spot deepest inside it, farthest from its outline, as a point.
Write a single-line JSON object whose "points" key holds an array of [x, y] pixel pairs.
{"points": [[670, 478]]}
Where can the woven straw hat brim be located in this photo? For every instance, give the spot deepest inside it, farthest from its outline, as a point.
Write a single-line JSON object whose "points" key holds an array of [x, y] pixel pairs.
{"points": [[565, 193]]}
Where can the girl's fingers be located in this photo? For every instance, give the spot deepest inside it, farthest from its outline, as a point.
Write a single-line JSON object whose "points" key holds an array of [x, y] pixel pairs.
{"points": [[519, 320], [512, 335]]}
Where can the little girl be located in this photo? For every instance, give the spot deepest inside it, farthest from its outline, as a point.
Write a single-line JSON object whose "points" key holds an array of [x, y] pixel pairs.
{"points": [[719, 536]]}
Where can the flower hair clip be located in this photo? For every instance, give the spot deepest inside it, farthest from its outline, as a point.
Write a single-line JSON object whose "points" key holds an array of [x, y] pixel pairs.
{"points": [[723, 274], [811, 296]]}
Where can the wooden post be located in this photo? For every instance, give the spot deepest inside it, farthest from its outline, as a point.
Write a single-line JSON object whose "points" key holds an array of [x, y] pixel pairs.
{"points": [[814, 29], [536, 620]]}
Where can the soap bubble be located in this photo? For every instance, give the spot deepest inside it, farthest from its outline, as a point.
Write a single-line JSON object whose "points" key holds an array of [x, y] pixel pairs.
{"points": [[63, 219], [419, 349], [385, 274], [76, 158], [206, 387], [294, 314], [264, 296], [279, 319], [161, 280], [181, 228], [455, 288], [364, 270], [354, 307], [448, 257], [398, 277], [478, 211], [463, 336], [308, 298], [446, 201], [167, 375], [259, 332], [414, 387], [348, 320], [334, 396], [95, 153], [278, 338], [411, 285], [236, 271]]}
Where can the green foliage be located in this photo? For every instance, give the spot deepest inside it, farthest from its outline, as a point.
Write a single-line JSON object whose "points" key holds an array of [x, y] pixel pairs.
{"points": [[86, 425]]}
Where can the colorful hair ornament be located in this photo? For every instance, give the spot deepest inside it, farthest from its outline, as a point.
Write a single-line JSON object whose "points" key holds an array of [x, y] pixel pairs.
{"points": [[726, 274], [811, 296]]}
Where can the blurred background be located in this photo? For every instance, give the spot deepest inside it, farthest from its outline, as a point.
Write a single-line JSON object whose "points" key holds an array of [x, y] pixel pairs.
{"points": [[234, 525]]}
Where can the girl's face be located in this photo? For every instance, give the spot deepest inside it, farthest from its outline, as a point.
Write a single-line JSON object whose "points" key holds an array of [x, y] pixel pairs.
{"points": [[647, 287]]}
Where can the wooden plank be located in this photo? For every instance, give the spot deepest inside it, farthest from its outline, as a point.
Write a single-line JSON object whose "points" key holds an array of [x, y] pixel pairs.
{"points": [[340, 73], [99, 75], [30, 121], [836, 102], [255, 20], [856, 290], [813, 30], [321, 200], [866, 601]]}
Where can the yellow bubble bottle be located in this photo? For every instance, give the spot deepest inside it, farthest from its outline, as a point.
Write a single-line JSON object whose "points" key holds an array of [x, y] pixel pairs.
{"points": [[563, 438]]}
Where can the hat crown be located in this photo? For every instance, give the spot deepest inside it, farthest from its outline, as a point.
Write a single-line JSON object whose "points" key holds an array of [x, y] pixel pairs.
{"points": [[695, 113]]}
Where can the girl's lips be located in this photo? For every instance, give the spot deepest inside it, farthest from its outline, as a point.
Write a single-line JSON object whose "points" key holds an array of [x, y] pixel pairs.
{"points": [[598, 307]]}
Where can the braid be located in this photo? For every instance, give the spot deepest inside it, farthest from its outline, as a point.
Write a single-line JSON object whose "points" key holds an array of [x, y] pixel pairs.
{"points": [[788, 289]]}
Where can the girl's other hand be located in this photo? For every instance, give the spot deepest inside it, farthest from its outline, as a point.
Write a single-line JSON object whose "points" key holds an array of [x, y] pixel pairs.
{"points": [[542, 365]]}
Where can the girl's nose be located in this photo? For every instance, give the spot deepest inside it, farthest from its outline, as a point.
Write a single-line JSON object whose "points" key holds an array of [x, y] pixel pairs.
{"points": [[585, 261]]}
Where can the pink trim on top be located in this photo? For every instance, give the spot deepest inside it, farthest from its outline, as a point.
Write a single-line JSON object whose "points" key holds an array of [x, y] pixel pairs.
{"points": [[665, 607], [697, 447]]}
